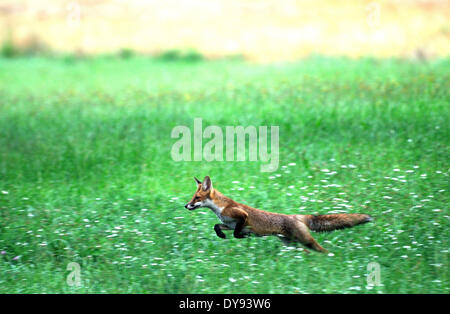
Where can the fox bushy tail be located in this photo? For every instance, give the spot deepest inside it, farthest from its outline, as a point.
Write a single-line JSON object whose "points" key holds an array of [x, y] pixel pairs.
{"points": [[335, 221]]}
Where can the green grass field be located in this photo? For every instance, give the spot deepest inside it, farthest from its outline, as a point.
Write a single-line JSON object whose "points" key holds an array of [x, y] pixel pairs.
{"points": [[86, 174]]}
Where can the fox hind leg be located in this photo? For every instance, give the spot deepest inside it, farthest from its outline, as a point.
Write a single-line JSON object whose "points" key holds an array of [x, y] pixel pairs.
{"points": [[290, 242], [314, 245], [301, 234]]}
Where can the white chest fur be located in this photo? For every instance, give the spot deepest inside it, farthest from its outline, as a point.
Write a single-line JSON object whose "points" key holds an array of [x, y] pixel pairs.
{"points": [[228, 221]]}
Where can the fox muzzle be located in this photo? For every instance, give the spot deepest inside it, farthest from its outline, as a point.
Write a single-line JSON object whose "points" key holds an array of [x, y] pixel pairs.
{"points": [[190, 206]]}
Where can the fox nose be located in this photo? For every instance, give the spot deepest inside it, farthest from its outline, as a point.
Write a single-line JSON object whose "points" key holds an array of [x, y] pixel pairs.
{"points": [[186, 206]]}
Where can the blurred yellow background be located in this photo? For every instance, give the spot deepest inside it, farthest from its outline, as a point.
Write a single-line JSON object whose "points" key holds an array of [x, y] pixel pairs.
{"points": [[260, 30]]}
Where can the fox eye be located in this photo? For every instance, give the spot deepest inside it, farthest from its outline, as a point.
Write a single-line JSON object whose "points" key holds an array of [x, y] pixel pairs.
{"points": [[196, 198]]}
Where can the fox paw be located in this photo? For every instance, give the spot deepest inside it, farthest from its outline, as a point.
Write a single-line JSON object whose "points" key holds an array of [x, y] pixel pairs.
{"points": [[219, 232], [239, 235]]}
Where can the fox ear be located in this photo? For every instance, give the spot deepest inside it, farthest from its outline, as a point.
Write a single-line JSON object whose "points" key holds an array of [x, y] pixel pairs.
{"points": [[197, 181], [207, 184]]}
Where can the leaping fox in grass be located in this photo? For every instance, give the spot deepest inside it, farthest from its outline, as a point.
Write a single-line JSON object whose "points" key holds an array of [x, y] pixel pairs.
{"points": [[245, 220]]}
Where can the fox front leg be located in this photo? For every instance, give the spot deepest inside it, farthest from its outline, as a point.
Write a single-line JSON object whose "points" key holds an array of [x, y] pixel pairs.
{"points": [[238, 229], [240, 217], [218, 229]]}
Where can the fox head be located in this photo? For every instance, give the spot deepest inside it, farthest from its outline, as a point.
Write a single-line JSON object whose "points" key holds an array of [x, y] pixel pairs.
{"points": [[203, 194]]}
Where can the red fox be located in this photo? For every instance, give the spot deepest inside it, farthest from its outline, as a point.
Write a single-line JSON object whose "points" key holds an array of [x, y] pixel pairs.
{"points": [[245, 220]]}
